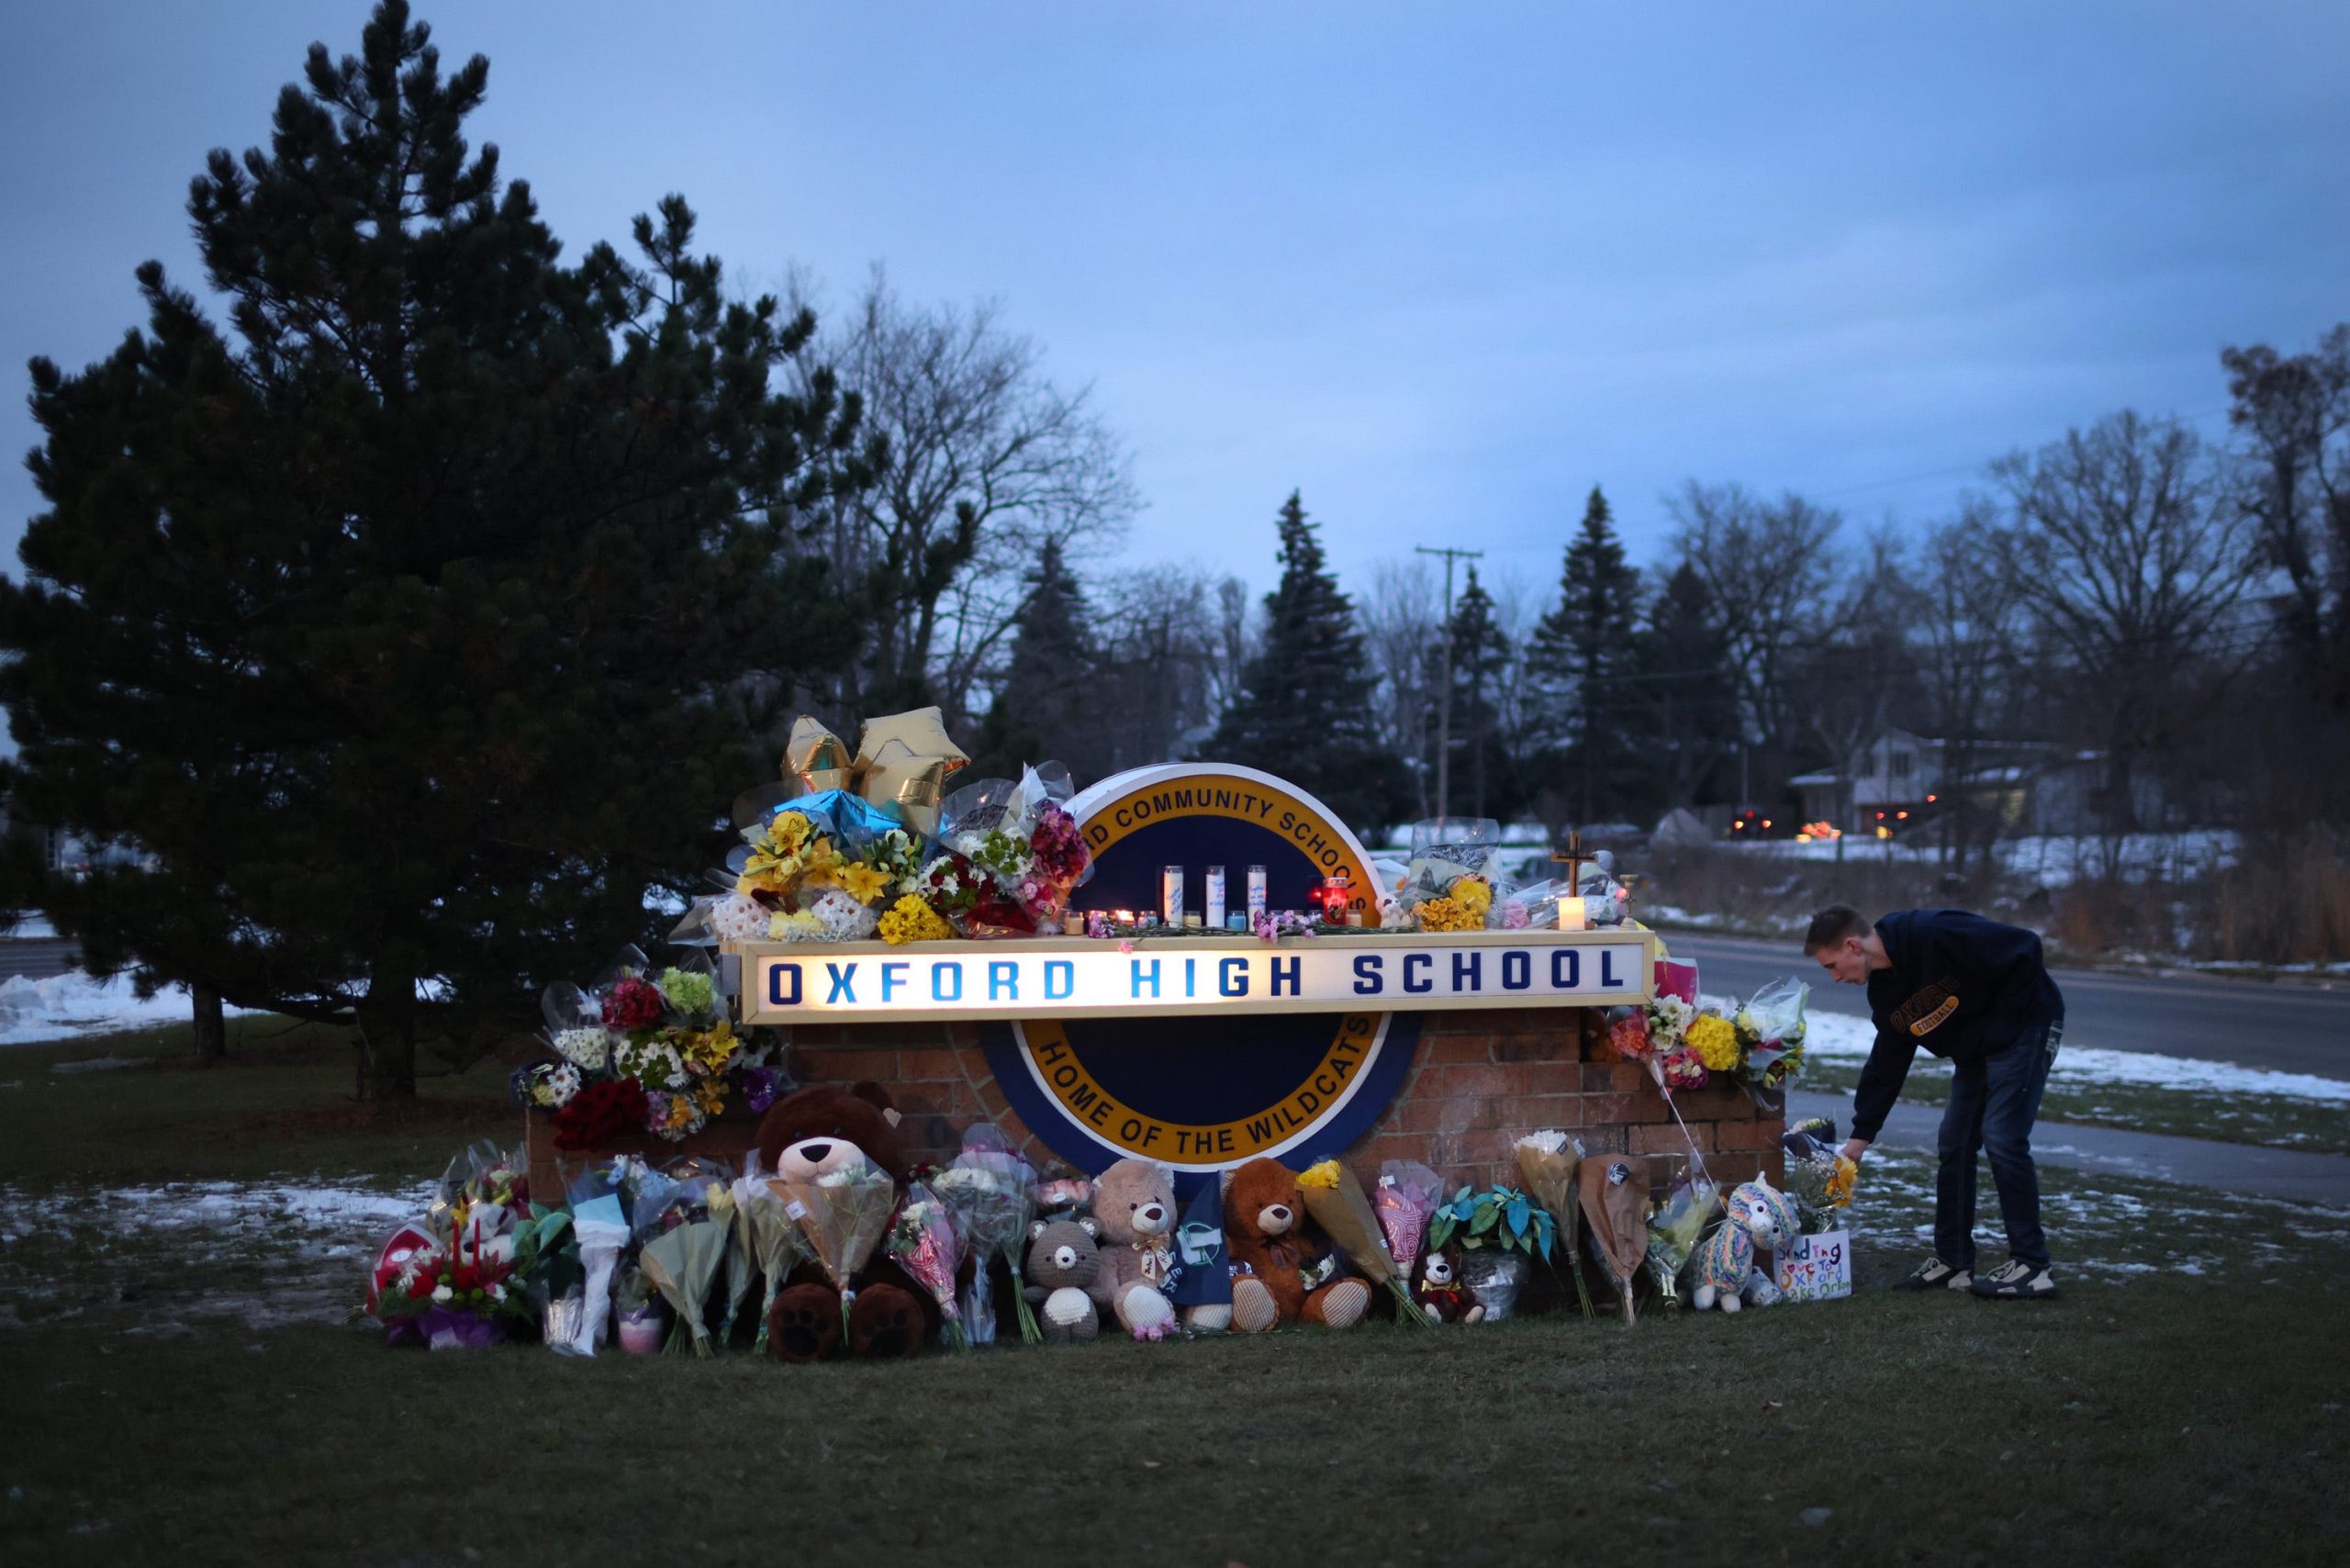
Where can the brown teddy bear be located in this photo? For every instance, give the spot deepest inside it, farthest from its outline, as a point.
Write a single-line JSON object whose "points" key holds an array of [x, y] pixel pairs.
{"points": [[806, 1135], [1066, 1278], [1279, 1276], [1134, 1202]]}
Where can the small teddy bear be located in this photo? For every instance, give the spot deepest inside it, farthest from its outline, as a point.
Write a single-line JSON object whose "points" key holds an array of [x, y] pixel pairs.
{"points": [[1134, 1202], [1066, 1278], [1760, 1219], [1440, 1293]]}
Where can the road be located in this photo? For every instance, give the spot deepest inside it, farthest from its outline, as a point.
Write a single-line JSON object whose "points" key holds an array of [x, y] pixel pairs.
{"points": [[2285, 1028], [37, 958]]}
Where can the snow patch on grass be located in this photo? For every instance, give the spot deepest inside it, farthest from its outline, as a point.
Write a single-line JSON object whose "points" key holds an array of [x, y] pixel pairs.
{"points": [[72, 1005]]}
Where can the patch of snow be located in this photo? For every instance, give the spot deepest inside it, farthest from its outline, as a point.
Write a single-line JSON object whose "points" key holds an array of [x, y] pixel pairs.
{"points": [[72, 1005], [31, 927], [1835, 1038]]}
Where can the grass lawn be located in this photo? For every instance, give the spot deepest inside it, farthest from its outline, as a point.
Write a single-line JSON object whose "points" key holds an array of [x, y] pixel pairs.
{"points": [[2278, 1121], [162, 1405]]}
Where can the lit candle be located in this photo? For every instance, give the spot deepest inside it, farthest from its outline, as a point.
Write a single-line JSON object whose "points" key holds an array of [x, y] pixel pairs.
{"points": [[1570, 913]]}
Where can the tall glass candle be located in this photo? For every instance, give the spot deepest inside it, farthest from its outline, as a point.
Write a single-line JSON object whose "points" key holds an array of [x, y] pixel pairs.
{"points": [[1215, 897], [1170, 895], [1256, 893]]}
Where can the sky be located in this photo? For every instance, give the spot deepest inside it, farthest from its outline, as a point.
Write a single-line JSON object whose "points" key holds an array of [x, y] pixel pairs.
{"points": [[1441, 268]]}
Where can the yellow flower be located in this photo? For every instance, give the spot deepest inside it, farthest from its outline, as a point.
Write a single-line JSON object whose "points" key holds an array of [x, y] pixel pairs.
{"points": [[1839, 1185], [910, 920], [710, 1096], [863, 883], [1325, 1174], [1446, 914], [1715, 1040], [789, 831], [681, 1112], [1474, 894], [798, 925]]}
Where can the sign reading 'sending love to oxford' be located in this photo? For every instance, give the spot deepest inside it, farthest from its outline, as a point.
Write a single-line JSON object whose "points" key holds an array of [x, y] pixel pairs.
{"points": [[1081, 978]]}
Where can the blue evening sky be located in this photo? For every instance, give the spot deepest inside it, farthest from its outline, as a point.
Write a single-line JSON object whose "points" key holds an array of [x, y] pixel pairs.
{"points": [[1441, 267]]}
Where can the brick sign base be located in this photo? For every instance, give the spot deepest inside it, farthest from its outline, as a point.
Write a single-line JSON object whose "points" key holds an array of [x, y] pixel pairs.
{"points": [[1479, 1080]]}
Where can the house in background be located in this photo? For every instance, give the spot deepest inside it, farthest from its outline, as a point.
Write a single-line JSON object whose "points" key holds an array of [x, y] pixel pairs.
{"points": [[1902, 782]]}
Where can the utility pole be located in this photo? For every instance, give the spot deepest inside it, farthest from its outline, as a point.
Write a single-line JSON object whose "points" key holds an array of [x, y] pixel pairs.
{"points": [[1444, 699]]}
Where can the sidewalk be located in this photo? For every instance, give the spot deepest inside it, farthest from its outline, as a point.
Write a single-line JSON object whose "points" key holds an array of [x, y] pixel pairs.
{"points": [[2233, 1166]]}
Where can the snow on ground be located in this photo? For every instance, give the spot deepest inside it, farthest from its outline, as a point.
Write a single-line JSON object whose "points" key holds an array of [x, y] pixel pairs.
{"points": [[282, 1250], [71, 1005], [30, 928], [2052, 861], [1835, 1038]]}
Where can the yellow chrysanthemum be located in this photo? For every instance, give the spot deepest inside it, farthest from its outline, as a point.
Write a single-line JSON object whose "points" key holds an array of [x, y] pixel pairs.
{"points": [[910, 920], [798, 925], [1446, 914], [1474, 894], [1714, 1040], [1325, 1174], [863, 883]]}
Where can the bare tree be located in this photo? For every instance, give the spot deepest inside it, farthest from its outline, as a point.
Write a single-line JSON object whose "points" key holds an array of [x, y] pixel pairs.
{"points": [[1967, 612], [2294, 487], [2127, 558], [1163, 645], [1848, 685], [1403, 621], [1767, 569], [981, 461]]}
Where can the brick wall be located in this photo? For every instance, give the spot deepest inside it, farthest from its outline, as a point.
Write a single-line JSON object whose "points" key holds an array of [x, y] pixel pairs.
{"points": [[1477, 1081]]}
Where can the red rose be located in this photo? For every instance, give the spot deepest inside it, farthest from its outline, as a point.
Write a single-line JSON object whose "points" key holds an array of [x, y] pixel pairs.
{"points": [[635, 1003], [600, 1115]]}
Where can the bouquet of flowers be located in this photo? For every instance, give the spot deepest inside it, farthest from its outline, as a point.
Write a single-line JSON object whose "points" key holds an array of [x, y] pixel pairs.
{"points": [[989, 1187], [1676, 1228], [601, 1113], [1770, 1032], [1453, 879], [1549, 1160], [452, 1296], [925, 1244], [1819, 1178], [841, 1215], [1406, 1197], [1614, 1196], [765, 1234], [1336, 1200]]}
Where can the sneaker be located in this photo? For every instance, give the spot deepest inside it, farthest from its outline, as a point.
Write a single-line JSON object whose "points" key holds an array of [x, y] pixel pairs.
{"points": [[1933, 1274], [2012, 1281]]}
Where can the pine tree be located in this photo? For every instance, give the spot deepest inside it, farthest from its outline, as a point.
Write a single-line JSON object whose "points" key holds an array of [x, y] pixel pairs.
{"points": [[1041, 709], [1480, 658], [1582, 647], [1305, 709], [1683, 713], [404, 627]]}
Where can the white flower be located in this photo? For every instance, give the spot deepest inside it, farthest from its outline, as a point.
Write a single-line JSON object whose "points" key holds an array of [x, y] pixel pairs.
{"points": [[739, 919], [497, 1293], [562, 1084], [589, 1049], [442, 1292]]}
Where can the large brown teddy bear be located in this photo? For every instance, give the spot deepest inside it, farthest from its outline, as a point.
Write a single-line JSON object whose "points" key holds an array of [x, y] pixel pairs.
{"points": [[1134, 1202], [1278, 1273], [804, 1136]]}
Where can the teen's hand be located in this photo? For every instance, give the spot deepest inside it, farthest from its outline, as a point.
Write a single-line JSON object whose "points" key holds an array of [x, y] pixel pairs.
{"points": [[1854, 1148]]}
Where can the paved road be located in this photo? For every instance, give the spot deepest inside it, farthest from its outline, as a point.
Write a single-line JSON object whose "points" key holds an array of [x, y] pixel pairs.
{"points": [[2294, 1175], [36, 956], [2285, 1028]]}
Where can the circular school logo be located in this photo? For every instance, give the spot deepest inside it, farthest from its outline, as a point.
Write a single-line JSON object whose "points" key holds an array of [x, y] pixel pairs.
{"points": [[1201, 1092]]}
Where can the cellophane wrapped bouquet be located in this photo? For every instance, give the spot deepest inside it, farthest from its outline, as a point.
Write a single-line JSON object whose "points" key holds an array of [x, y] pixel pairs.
{"points": [[925, 1241], [1008, 857], [1407, 1194], [841, 1215], [1549, 1160], [682, 1223], [1676, 1227], [990, 1190], [1453, 880], [1769, 1031], [1821, 1179]]}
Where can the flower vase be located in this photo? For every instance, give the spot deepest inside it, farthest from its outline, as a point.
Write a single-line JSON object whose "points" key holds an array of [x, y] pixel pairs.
{"points": [[1494, 1277], [640, 1331], [451, 1328]]}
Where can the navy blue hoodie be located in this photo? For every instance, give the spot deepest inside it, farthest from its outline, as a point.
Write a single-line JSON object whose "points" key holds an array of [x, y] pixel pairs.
{"points": [[1962, 986]]}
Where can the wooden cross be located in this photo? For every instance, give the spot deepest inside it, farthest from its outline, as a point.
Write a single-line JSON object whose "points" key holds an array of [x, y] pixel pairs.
{"points": [[1573, 858]]}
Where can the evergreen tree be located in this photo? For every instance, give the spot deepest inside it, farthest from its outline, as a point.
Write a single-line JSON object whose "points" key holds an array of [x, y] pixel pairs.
{"points": [[1582, 649], [1041, 710], [1480, 658], [1681, 714], [1305, 709], [404, 627]]}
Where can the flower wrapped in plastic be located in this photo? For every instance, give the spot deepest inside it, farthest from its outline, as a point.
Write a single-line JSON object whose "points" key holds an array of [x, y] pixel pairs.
{"points": [[1713, 1040], [1676, 1228], [913, 919], [1614, 1197], [1821, 1179], [1628, 1033], [1683, 1068], [989, 1187], [1336, 1201], [925, 1241], [1407, 1193], [1771, 1033], [842, 1215], [766, 1236]]}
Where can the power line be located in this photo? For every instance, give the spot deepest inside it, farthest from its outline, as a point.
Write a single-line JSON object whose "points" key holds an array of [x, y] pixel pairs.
{"points": [[1444, 702]]}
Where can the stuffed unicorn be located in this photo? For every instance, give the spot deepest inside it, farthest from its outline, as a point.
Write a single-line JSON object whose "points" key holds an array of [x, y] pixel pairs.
{"points": [[1760, 1219]]}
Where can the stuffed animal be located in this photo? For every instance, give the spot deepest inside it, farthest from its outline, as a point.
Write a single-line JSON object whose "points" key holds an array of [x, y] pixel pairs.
{"points": [[1134, 1202], [1203, 1290], [1279, 1276], [1440, 1293], [804, 1136], [1761, 1219], [1066, 1278]]}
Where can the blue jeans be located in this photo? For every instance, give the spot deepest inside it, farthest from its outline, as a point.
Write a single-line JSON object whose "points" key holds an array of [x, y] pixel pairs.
{"points": [[1993, 1102]]}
